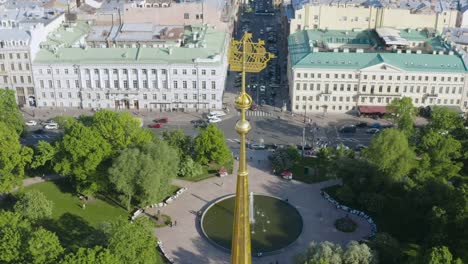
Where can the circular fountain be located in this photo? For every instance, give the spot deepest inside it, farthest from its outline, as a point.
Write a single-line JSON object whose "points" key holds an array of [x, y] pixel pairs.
{"points": [[274, 223]]}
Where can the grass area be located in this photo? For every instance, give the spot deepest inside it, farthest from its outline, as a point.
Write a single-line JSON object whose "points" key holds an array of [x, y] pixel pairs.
{"points": [[309, 176], [67, 202], [277, 224]]}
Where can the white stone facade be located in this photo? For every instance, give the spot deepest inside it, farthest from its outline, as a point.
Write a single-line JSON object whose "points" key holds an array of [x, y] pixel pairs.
{"points": [[163, 87], [317, 90]]}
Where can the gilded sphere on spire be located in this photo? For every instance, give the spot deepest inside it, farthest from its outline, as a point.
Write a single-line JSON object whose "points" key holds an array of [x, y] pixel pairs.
{"points": [[243, 101], [243, 127]]}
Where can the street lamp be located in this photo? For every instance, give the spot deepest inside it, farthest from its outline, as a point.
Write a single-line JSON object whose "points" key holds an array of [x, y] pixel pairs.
{"points": [[305, 112]]}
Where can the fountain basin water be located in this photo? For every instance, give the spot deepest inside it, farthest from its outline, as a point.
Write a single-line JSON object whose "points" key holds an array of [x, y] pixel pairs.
{"points": [[277, 224]]}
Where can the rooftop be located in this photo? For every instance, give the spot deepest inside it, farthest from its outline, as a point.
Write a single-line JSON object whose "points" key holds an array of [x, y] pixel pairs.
{"points": [[421, 6], [67, 35], [304, 52], [211, 52]]}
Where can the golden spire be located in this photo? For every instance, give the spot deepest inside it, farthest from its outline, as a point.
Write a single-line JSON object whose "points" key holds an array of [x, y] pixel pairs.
{"points": [[244, 56]]}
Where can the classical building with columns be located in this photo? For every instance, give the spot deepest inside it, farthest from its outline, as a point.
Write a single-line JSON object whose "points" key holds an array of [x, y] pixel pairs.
{"points": [[342, 71], [132, 66]]}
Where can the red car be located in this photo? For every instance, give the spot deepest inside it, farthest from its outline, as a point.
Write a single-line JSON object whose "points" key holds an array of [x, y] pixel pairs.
{"points": [[287, 175], [162, 120], [157, 125]]}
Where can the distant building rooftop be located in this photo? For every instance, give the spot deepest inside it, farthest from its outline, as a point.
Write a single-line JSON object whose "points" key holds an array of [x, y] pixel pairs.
{"points": [[417, 6], [357, 50], [207, 48]]}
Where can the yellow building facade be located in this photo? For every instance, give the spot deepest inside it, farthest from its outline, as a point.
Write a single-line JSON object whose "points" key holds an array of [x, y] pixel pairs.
{"points": [[349, 17]]}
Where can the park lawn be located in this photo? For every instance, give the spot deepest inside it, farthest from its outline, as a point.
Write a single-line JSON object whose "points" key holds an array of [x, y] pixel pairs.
{"points": [[66, 201], [299, 174]]}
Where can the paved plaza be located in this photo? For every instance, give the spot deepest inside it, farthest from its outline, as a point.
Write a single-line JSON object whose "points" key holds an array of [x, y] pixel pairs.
{"points": [[186, 244]]}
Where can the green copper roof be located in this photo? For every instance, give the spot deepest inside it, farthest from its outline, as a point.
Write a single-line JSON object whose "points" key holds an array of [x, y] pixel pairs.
{"points": [[67, 35], [302, 56], [215, 43]]}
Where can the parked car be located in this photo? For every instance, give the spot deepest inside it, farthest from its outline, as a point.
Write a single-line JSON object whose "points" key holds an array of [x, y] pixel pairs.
{"points": [[372, 131], [49, 122], [162, 120], [214, 120], [31, 123], [359, 147], [51, 126], [262, 88], [39, 131], [361, 125], [348, 129], [287, 175], [157, 125], [256, 146], [376, 125]]}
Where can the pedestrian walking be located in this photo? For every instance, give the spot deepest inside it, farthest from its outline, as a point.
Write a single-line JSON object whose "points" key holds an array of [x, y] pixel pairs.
{"points": [[175, 223]]}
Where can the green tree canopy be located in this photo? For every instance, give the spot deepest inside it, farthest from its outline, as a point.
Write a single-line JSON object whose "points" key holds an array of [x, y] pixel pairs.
{"points": [[44, 247], [329, 253], [96, 255], [9, 111], [181, 142], [440, 153], [34, 206], [404, 113], [444, 119], [44, 153], [120, 130], [133, 243], [284, 158], [144, 175], [439, 255], [189, 168], [210, 145], [14, 232], [13, 158], [79, 154], [390, 152]]}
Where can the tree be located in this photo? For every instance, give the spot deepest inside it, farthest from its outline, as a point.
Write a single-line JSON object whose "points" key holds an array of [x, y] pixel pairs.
{"points": [[79, 154], [210, 145], [324, 252], [132, 243], [181, 142], [442, 152], [34, 206], [388, 248], [9, 111], [44, 247], [13, 233], [358, 254], [144, 175], [43, 154], [404, 113], [390, 152], [444, 119], [189, 168], [96, 255], [13, 158], [284, 159], [120, 130], [439, 255], [329, 253]]}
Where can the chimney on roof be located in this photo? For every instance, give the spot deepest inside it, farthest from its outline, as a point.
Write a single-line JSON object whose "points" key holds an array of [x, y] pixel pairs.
{"points": [[169, 51]]}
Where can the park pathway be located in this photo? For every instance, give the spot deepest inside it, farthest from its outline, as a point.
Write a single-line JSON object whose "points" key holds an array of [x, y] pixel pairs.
{"points": [[186, 244]]}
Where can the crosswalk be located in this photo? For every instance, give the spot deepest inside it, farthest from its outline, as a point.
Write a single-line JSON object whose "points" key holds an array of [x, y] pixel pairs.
{"points": [[41, 136], [256, 113], [235, 140]]}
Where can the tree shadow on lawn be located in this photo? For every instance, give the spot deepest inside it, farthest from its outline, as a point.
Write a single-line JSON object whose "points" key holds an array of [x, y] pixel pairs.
{"points": [[75, 232]]}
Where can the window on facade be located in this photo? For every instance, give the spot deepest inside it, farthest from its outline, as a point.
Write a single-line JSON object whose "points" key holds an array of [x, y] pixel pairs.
{"points": [[203, 72], [203, 84], [145, 84], [135, 84], [164, 84], [135, 71], [213, 72], [194, 71], [184, 84], [155, 97], [98, 84], [304, 86], [144, 71], [175, 84], [204, 96], [153, 71], [125, 83], [213, 97], [186, 16], [155, 84], [213, 85], [184, 72], [116, 84], [107, 84]]}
